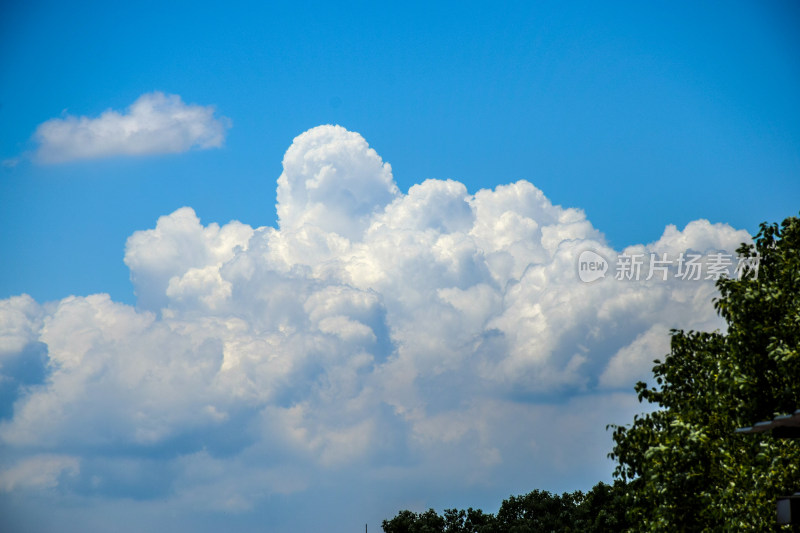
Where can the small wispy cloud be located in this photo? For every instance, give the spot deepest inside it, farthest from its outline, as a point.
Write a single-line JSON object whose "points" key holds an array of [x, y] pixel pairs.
{"points": [[38, 472], [156, 123]]}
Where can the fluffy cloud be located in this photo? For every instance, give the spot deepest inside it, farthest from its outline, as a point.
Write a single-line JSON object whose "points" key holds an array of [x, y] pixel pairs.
{"points": [[416, 342], [333, 179], [154, 124], [37, 472]]}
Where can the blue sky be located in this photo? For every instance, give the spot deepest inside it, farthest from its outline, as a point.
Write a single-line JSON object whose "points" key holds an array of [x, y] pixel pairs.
{"points": [[640, 115]]}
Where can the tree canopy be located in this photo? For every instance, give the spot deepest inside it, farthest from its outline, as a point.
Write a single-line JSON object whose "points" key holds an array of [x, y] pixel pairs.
{"points": [[535, 512], [685, 467]]}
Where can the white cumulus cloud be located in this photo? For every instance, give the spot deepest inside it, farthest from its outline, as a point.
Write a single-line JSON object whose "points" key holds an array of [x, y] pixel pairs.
{"points": [[414, 341], [156, 123]]}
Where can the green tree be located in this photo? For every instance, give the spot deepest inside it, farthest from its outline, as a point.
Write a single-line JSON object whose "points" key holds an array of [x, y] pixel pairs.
{"points": [[598, 511], [602, 509], [686, 469], [539, 511], [409, 522]]}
